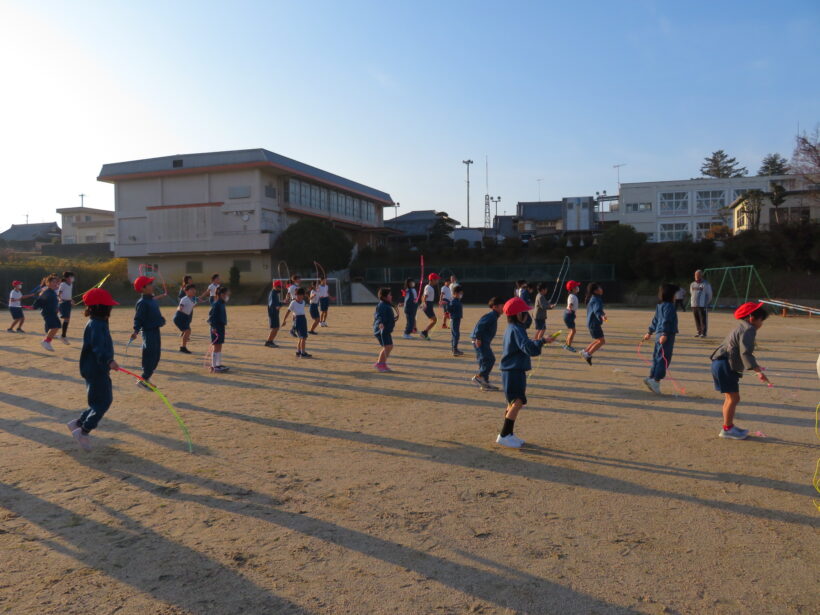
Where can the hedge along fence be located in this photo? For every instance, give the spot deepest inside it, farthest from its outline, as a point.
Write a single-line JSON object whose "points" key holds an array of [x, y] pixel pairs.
{"points": [[87, 274]]}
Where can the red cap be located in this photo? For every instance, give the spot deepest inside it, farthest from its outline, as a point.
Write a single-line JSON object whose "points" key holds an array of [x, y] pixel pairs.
{"points": [[433, 276], [17, 283], [572, 284], [516, 305], [747, 308], [277, 283], [98, 296], [141, 282]]}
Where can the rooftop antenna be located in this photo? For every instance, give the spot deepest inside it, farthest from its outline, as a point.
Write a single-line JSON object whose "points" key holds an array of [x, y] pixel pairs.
{"points": [[617, 168], [82, 196]]}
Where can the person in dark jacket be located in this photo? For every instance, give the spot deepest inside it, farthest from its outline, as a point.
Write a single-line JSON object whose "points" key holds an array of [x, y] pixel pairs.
{"points": [[274, 305], [411, 306], [148, 320], [96, 363], [456, 311], [664, 326], [48, 304], [384, 321], [596, 317], [218, 319], [482, 336]]}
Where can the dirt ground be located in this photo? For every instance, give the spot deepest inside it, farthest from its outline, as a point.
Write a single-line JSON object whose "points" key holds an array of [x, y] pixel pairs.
{"points": [[321, 486]]}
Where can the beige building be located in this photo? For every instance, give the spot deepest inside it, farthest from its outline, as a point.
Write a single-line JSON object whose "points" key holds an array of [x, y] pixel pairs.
{"points": [[801, 204], [88, 225], [198, 214]]}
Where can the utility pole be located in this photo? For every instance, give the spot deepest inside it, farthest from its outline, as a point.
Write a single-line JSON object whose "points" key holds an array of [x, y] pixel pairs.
{"points": [[468, 163], [487, 216], [539, 188], [82, 196], [617, 168]]}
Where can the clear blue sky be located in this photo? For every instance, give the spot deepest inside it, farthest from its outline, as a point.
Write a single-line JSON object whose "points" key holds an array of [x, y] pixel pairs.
{"points": [[397, 94]]}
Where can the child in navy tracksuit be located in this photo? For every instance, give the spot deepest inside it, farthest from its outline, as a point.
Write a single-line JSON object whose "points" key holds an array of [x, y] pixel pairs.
{"points": [[148, 319], [483, 334], [274, 304], [96, 362], [456, 311], [384, 321], [665, 327], [48, 304], [595, 319], [515, 363], [218, 319], [411, 306]]}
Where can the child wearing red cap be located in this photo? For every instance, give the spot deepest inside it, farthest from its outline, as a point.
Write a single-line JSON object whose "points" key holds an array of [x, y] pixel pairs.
{"points": [[148, 319], [665, 327], [734, 356], [96, 362], [428, 295], [569, 315], [274, 304], [16, 307], [515, 363], [595, 319], [49, 304]]}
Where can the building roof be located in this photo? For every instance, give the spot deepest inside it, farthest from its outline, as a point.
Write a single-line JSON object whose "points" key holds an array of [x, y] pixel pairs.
{"points": [[707, 180], [30, 232], [85, 210], [216, 161]]}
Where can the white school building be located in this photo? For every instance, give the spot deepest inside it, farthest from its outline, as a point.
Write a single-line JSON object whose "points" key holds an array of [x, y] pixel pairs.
{"points": [[204, 213]]}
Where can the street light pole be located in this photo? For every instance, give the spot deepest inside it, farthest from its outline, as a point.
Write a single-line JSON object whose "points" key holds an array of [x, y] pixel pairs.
{"points": [[396, 210], [468, 163], [495, 221], [539, 189]]}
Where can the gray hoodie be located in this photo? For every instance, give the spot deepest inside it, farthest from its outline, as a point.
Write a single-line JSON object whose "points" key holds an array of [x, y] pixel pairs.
{"points": [[738, 348], [701, 293]]}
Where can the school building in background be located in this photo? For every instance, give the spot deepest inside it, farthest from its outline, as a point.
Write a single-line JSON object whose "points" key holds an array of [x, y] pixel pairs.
{"points": [[86, 225], [202, 213]]}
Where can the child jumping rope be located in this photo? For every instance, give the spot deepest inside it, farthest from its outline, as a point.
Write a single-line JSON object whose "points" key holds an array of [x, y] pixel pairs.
{"points": [[569, 315], [148, 319], [429, 298], [314, 307], [185, 314], [324, 301], [47, 302], [64, 294], [384, 320], [297, 307], [515, 363], [96, 363], [218, 319], [734, 356], [444, 301], [16, 307], [595, 319], [274, 304], [456, 310], [213, 287], [411, 306], [542, 304], [665, 327], [293, 286], [482, 336]]}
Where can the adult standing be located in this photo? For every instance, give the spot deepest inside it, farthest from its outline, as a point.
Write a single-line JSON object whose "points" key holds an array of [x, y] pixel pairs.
{"points": [[700, 292]]}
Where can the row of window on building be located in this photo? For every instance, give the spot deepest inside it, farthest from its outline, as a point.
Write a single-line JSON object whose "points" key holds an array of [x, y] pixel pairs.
{"points": [[304, 194], [678, 231], [677, 203]]}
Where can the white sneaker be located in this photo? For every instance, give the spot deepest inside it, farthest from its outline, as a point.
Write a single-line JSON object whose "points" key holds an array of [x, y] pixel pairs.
{"points": [[735, 433], [479, 380], [653, 385], [83, 439], [509, 441], [407, 336], [65, 341], [47, 345]]}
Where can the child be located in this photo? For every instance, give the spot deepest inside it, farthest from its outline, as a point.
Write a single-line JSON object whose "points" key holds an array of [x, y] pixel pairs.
{"points": [[324, 301], [665, 327], [218, 319], [48, 303], [569, 316], [314, 307], [731, 358], [297, 306], [520, 287], [595, 318], [274, 303], [186, 279], [96, 362], [542, 304], [64, 295], [456, 314], [429, 298], [483, 334], [528, 294], [444, 301], [411, 306], [213, 287], [515, 363], [291, 296], [680, 300], [16, 307], [185, 314], [384, 320], [148, 319]]}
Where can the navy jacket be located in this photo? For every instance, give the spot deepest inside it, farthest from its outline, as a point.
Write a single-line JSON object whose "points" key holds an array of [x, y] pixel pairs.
{"points": [[148, 315], [595, 311], [410, 302], [456, 309], [518, 348], [526, 296], [384, 316], [218, 316], [47, 302], [665, 321], [98, 349], [274, 302], [486, 328]]}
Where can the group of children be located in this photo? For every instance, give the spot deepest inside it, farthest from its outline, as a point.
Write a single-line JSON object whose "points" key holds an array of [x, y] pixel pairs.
{"points": [[54, 300]]}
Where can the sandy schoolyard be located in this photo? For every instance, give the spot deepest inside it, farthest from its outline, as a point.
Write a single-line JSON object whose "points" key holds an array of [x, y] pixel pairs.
{"points": [[321, 486]]}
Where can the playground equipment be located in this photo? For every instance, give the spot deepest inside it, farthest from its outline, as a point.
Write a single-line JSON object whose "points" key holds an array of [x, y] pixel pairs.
{"points": [[739, 282]]}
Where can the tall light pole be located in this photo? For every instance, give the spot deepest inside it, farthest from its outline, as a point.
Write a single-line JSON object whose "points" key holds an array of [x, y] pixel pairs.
{"points": [[495, 220], [539, 188], [396, 209], [468, 163]]}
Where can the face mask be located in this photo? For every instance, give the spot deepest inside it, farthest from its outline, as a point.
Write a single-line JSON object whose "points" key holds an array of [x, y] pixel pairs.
{"points": [[527, 321], [226, 299]]}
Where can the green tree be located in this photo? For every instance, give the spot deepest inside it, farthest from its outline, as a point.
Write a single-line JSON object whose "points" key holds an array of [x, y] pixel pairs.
{"points": [[720, 165], [309, 240], [441, 230], [618, 245], [773, 164]]}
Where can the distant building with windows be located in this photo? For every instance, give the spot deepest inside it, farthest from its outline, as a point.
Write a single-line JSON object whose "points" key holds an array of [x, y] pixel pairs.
{"points": [[31, 235], [801, 204], [202, 213], [674, 210], [84, 225]]}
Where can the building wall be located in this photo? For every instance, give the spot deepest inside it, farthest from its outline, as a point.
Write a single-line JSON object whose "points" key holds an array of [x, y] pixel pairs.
{"points": [[80, 228], [796, 208], [670, 210], [258, 268]]}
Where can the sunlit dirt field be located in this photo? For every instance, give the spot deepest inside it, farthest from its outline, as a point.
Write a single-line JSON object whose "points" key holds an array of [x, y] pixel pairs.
{"points": [[321, 486]]}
